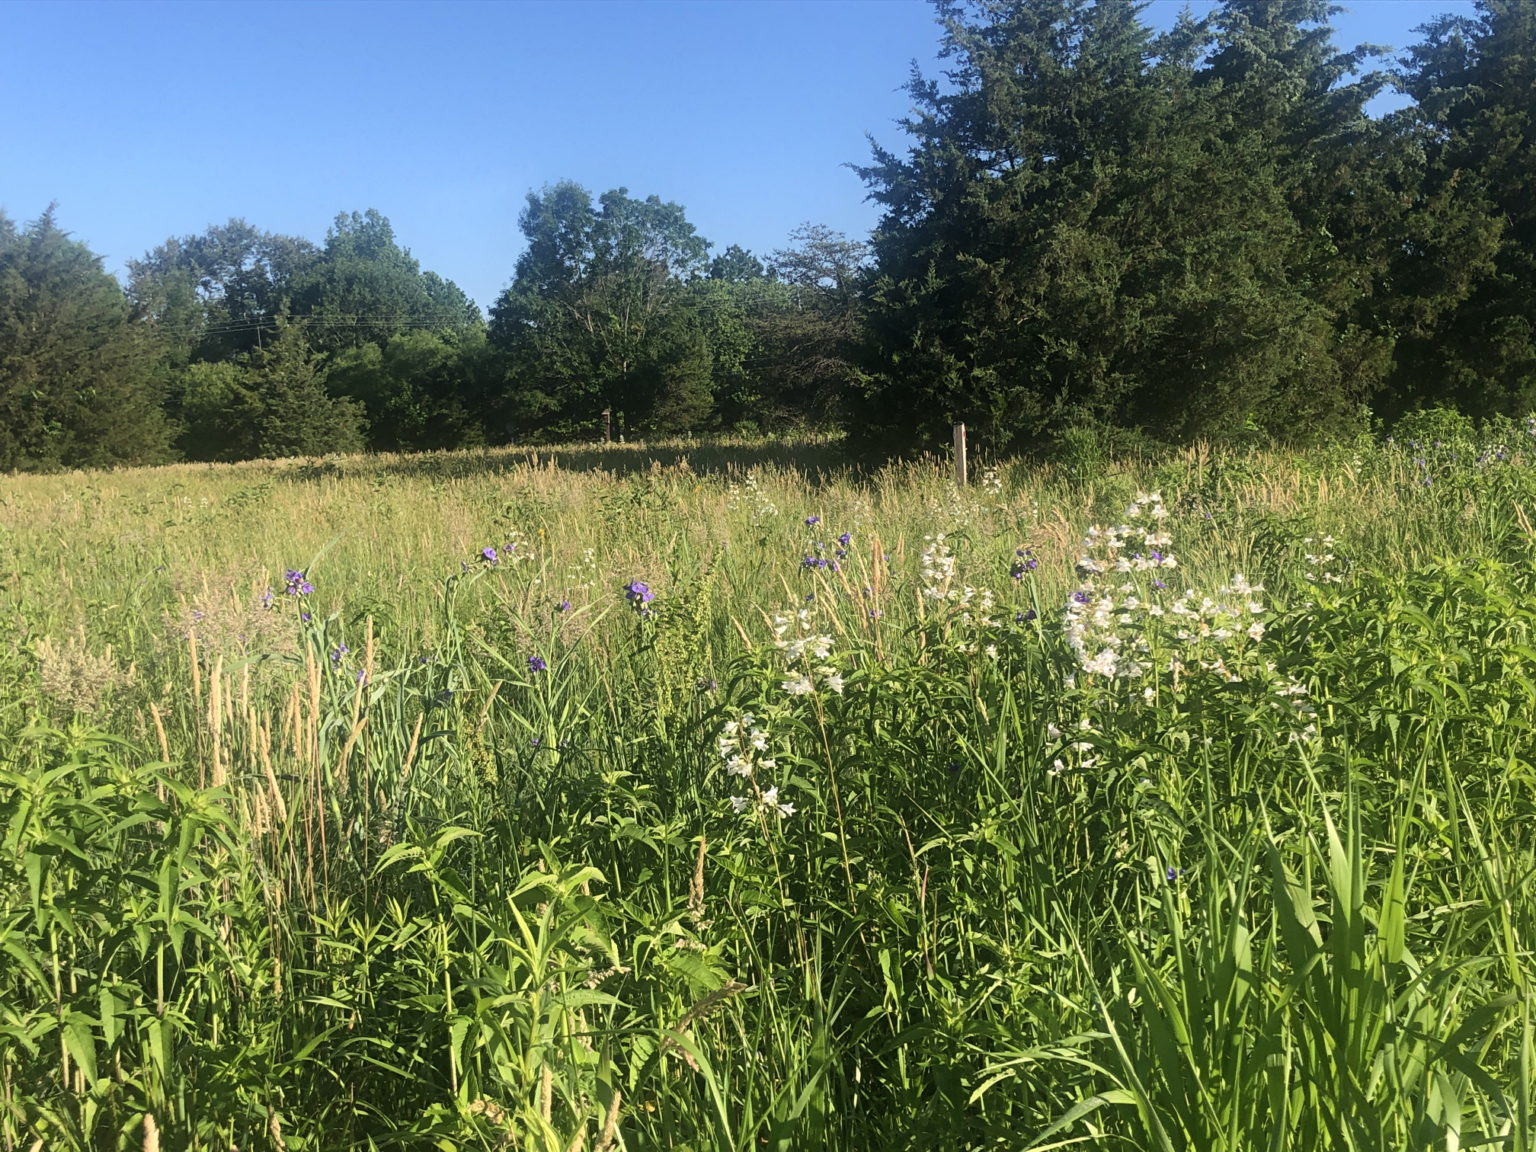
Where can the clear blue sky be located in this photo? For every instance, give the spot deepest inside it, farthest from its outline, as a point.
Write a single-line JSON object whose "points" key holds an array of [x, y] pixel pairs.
{"points": [[147, 120]]}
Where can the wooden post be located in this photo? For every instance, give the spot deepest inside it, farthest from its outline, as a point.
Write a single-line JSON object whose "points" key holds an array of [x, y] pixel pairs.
{"points": [[607, 425], [960, 471]]}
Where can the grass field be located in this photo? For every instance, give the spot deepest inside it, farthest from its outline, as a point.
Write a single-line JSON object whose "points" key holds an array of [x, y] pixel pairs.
{"points": [[721, 796]]}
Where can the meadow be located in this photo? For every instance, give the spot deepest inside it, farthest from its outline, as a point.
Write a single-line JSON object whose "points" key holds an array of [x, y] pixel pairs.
{"points": [[722, 796]]}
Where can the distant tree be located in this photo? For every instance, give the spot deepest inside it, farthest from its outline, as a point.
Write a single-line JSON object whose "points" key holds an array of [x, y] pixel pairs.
{"points": [[364, 288], [78, 386], [811, 333], [269, 402], [420, 390], [211, 296], [737, 266], [594, 316]]}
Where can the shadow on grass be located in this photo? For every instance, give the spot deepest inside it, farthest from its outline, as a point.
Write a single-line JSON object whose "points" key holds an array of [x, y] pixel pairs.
{"points": [[819, 460]]}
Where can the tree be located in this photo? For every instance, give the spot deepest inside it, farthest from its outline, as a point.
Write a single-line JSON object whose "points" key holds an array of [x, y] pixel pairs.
{"points": [[269, 402], [593, 312], [217, 294], [1093, 225], [364, 288], [418, 391], [77, 380], [1472, 256]]}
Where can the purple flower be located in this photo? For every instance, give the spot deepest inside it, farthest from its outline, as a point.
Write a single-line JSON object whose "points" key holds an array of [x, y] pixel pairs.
{"points": [[563, 606], [706, 685], [1024, 561], [812, 521], [296, 583], [362, 676], [845, 538], [489, 554], [537, 664], [1082, 597], [1159, 584], [1173, 874], [637, 592], [1024, 617], [338, 652], [266, 598], [306, 617]]}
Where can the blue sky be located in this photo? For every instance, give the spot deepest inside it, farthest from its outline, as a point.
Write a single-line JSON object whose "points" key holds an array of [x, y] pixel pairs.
{"points": [[146, 120]]}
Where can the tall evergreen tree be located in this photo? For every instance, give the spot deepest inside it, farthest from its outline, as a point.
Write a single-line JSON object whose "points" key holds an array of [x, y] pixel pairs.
{"points": [[77, 380], [1095, 225], [1472, 256]]}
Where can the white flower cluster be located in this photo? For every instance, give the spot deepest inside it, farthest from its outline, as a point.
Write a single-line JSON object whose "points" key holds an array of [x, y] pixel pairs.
{"points": [[806, 654], [991, 482], [748, 496], [1291, 697], [1321, 564], [744, 746], [1113, 630], [1106, 627], [937, 568], [1076, 750]]}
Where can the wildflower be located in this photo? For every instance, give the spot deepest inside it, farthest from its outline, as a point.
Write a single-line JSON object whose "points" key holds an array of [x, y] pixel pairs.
{"points": [[297, 584], [845, 539], [362, 676], [799, 686], [266, 598], [739, 804], [1173, 874], [1024, 561], [812, 521], [537, 664], [489, 554], [637, 592], [1025, 617], [338, 652], [706, 685], [563, 606]]}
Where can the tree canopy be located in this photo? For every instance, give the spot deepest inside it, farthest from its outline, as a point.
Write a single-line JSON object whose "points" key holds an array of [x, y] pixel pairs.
{"points": [[1203, 233]]}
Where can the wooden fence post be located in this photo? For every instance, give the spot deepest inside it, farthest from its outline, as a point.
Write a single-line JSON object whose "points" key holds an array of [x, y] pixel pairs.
{"points": [[960, 469]]}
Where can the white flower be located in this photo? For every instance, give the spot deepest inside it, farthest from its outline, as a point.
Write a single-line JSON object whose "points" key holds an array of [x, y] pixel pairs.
{"points": [[834, 681], [800, 686], [739, 804]]}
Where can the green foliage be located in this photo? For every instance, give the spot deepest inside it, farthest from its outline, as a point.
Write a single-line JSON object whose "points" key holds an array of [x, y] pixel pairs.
{"points": [[77, 381], [269, 402], [1475, 345], [453, 851], [1093, 225]]}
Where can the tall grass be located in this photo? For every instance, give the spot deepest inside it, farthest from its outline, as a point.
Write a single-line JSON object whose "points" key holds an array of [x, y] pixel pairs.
{"points": [[829, 844]]}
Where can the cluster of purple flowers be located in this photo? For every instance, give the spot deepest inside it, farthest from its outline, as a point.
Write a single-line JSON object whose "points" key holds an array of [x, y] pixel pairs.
{"points": [[297, 583], [537, 664], [1023, 561], [638, 593], [490, 555], [814, 562], [338, 652]]}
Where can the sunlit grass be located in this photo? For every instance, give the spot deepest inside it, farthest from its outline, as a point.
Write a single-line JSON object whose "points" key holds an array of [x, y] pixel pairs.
{"points": [[456, 853]]}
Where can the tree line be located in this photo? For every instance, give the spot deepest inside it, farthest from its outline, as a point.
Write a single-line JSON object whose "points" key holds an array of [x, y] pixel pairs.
{"points": [[1193, 234]]}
